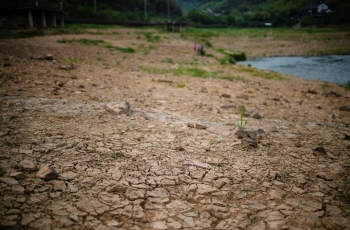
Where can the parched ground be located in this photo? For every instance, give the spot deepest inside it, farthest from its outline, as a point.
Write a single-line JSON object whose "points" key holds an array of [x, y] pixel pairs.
{"points": [[174, 160]]}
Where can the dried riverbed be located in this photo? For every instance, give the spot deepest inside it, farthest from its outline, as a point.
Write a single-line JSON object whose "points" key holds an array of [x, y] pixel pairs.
{"points": [[173, 159]]}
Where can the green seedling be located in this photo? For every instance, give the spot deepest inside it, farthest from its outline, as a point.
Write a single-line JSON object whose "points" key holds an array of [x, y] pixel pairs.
{"points": [[241, 124], [114, 153]]}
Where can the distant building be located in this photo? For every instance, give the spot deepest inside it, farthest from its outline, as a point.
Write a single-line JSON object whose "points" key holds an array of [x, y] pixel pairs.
{"points": [[316, 10]]}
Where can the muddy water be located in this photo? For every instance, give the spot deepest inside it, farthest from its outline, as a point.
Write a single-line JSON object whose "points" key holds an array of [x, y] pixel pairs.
{"points": [[334, 68]]}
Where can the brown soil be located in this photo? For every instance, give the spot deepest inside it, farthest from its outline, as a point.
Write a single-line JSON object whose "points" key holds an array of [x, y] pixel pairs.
{"points": [[58, 117]]}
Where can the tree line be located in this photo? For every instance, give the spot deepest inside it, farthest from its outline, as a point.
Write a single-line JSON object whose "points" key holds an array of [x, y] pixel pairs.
{"points": [[242, 13]]}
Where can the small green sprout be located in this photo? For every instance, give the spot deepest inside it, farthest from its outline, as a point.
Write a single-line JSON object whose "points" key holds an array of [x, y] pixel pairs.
{"points": [[114, 153], [241, 124]]}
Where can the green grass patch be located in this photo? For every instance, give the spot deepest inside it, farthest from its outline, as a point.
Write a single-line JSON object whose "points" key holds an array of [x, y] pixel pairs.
{"points": [[21, 34], [265, 74], [191, 72], [154, 70], [150, 36], [346, 85], [168, 60], [199, 33], [101, 43]]}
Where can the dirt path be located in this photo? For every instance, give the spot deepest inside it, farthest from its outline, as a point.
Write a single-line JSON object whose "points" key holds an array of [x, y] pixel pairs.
{"points": [[174, 160]]}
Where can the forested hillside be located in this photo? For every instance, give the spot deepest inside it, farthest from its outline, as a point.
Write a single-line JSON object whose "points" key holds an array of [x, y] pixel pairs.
{"points": [[253, 12], [241, 13]]}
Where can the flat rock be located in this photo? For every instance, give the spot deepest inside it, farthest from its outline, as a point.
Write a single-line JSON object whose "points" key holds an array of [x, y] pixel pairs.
{"points": [[17, 175], [47, 173], [27, 165], [324, 176], [59, 186], [8, 180], [118, 108], [68, 176]]}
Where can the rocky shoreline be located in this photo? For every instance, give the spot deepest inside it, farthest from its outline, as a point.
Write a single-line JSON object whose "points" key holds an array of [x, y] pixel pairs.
{"points": [[103, 147]]}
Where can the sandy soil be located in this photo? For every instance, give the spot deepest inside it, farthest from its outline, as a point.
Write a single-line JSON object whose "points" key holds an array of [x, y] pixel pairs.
{"points": [[173, 161]]}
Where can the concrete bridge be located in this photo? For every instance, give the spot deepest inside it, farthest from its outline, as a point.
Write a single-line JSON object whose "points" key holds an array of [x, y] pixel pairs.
{"points": [[30, 14]]}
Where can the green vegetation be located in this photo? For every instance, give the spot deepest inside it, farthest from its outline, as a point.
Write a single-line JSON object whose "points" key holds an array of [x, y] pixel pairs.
{"points": [[241, 124], [121, 10], [191, 72], [169, 60], [101, 43], [346, 85], [10, 34], [114, 153], [70, 61], [150, 37], [254, 13], [266, 74]]}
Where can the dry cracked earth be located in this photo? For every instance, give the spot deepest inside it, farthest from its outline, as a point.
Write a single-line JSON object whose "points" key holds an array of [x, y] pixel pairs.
{"points": [[75, 155]]}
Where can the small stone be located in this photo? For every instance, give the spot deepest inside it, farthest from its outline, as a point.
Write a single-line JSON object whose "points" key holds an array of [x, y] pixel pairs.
{"points": [[250, 142], [114, 223], [324, 176], [346, 137], [48, 57], [9, 181], [27, 165], [204, 90], [59, 185], [7, 64], [256, 115], [320, 149], [199, 126], [46, 173], [179, 148], [17, 189], [118, 109], [67, 175], [2, 171], [224, 95], [17, 175], [344, 108]]}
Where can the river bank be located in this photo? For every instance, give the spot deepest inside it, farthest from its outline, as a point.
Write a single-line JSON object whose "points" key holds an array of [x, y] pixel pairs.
{"points": [[74, 156]]}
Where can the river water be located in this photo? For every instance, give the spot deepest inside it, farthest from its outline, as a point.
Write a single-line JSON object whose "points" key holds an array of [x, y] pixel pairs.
{"points": [[333, 68]]}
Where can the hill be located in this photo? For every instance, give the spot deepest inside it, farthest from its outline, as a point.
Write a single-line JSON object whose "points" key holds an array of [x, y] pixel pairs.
{"points": [[279, 12]]}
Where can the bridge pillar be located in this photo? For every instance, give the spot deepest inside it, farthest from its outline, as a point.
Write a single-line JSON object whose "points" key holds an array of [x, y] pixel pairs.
{"points": [[1, 24], [53, 18], [30, 18], [43, 19]]}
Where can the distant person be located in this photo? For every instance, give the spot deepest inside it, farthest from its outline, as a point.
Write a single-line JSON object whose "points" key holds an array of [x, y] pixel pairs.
{"points": [[195, 48], [36, 3], [201, 49]]}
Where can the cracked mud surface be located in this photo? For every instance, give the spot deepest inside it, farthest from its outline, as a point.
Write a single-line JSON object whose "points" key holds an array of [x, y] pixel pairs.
{"points": [[174, 160]]}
